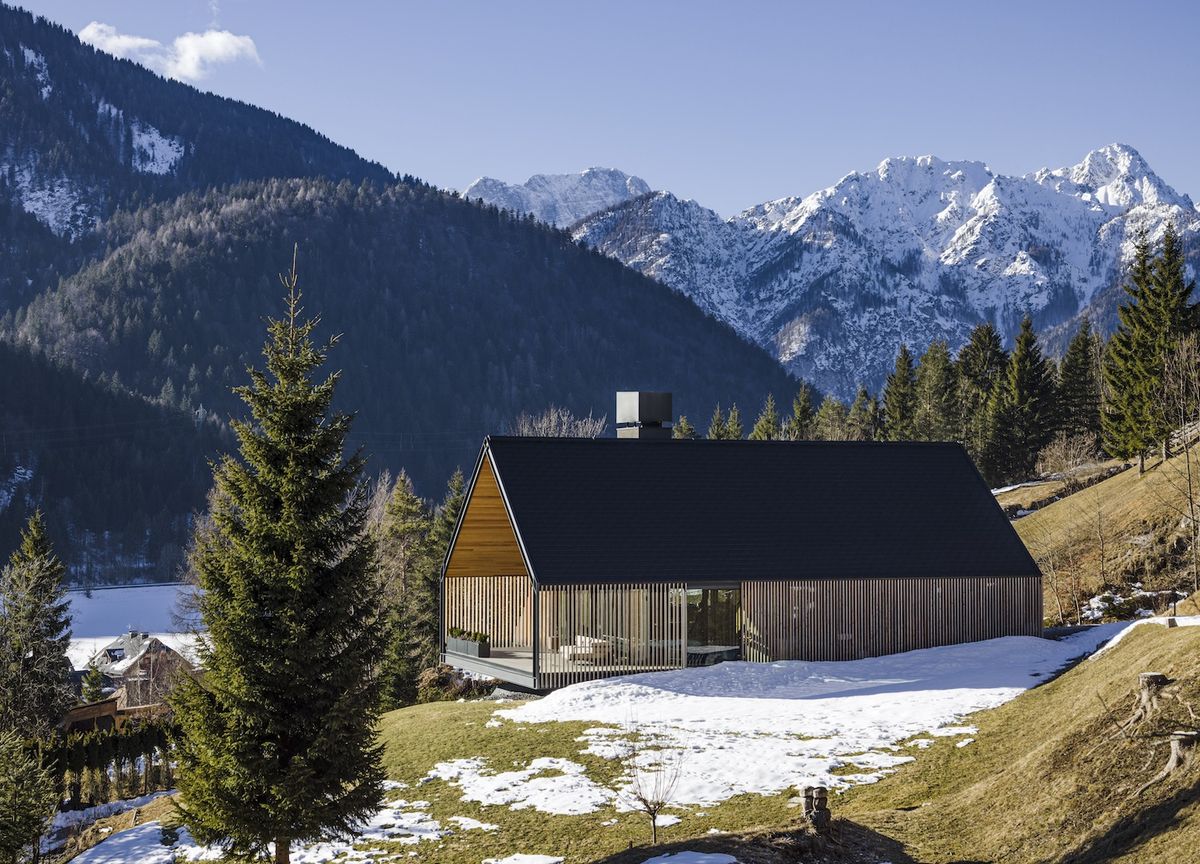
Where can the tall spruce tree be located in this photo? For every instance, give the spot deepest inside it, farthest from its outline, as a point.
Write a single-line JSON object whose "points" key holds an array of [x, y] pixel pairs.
{"points": [[937, 410], [900, 399], [981, 363], [1022, 411], [27, 799], [405, 560], [278, 737], [799, 426], [35, 632], [1149, 326], [767, 427], [445, 520], [1079, 384], [862, 423]]}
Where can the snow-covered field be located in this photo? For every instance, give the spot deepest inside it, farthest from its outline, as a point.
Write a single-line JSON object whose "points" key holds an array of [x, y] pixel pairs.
{"points": [[109, 612], [729, 729]]}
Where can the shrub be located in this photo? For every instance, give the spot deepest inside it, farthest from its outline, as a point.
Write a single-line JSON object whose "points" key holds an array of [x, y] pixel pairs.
{"points": [[443, 683]]}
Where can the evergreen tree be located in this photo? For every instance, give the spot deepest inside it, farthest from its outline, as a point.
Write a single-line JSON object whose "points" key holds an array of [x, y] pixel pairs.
{"points": [[93, 685], [830, 424], [1022, 411], [27, 798], [35, 632], [980, 366], [445, 520], [405, 559], [716, 426], [278, 737], [733, 425], [1132, 369], [1079, 384], [900, 399], [937, 409], [799, 426], [862, 423], [767, 426], [683, 430]]}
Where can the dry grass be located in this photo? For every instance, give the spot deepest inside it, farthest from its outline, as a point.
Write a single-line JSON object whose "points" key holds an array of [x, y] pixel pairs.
{"points": [[1131, 517], [1051, 777]]}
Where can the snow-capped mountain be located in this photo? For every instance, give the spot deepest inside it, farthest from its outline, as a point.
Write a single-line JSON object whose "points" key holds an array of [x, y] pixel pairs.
{"points": [[916, 250], [560, 199]]}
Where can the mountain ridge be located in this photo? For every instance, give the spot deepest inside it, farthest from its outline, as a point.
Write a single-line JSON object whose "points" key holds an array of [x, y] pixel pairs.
{"points": [[917, 249]]}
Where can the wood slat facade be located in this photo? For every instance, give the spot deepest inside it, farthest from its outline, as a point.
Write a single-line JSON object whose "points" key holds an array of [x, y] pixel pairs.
{"points": [[847, 619]]}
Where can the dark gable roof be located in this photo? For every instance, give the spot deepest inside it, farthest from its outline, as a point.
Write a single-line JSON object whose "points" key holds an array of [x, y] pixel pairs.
{"points": [[610, 510]]}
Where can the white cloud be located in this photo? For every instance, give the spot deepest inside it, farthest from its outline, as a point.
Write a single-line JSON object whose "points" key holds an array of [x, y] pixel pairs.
{"points": [[188, 58]]}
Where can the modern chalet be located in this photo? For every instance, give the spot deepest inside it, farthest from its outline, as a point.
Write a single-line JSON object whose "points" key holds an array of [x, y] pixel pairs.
{"points": [[584, 558]]}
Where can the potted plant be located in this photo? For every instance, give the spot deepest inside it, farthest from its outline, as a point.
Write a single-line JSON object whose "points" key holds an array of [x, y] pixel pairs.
{"points": [[467, 643]]}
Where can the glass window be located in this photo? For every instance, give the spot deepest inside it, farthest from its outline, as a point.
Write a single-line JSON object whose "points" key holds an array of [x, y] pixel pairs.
{"points": [[714, 617]]}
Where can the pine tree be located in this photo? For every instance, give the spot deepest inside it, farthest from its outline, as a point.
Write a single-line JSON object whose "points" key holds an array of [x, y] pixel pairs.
{"points": [[405, 559], [799, 426], [683, 430], [1022, 410], [767, 426], [900, 399], [733, 425], [1079, 384], [830, 424], [35, 632], [862, 423], [937, 410], [716, 426], [980, 365], [278, 737], [27, 798]]}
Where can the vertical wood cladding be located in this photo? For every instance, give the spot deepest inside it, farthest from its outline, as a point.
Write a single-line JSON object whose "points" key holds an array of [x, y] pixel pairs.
{"points": [[500, 606], [845, 619]]}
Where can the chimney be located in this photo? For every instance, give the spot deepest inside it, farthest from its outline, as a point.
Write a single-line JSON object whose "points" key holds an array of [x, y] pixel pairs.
{"points": [[646, 416]]}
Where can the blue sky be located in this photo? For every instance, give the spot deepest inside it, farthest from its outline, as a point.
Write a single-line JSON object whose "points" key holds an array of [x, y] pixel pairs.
{"points": [[728, 103]]}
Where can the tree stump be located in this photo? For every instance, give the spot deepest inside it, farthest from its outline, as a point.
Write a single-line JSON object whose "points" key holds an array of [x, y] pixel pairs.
{"points": [[1150, 687], [1183, 747], [816, 808]]}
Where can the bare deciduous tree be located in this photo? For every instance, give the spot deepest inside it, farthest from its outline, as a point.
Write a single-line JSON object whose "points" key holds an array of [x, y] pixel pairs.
{"points": [[1067, 455], [1181, 406], [558, 422], [653, 778]]}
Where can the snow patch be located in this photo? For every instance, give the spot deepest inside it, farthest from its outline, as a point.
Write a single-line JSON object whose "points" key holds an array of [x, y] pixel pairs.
{"points": [[548, 785], [689, 857], [153, 152], [35, 61]]}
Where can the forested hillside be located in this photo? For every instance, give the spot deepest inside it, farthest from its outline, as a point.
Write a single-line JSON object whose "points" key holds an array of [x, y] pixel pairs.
{"points": [[115, 474], [456, 317]]}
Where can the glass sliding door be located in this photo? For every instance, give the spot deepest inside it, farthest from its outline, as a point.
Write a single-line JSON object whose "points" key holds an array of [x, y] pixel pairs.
{"points": [[714, 624]]}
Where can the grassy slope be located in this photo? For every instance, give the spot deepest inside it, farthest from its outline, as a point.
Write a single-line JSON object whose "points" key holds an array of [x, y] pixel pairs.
{"points": [[1050, 778], [1140, 528]]}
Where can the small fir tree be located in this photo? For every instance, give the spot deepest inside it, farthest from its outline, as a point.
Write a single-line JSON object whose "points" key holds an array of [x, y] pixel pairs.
{"points": [[1022, 410], [683, 429], [980, 365], [28, 798], [937, 410], [799, 426], [900, 399], [862, 423], [277, 739], [1079, 384], [716, 426], [733, 425], [767, 426], [405, 557], [831, 420], [35, 632], [93, 684]]}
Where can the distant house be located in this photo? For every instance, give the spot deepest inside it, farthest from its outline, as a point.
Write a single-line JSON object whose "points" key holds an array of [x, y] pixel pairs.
{"points": [[139, 667], [584, 558]]}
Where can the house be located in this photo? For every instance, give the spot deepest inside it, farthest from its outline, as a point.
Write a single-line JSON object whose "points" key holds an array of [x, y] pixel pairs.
{"points": [[139, 667], [583, 558]]}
